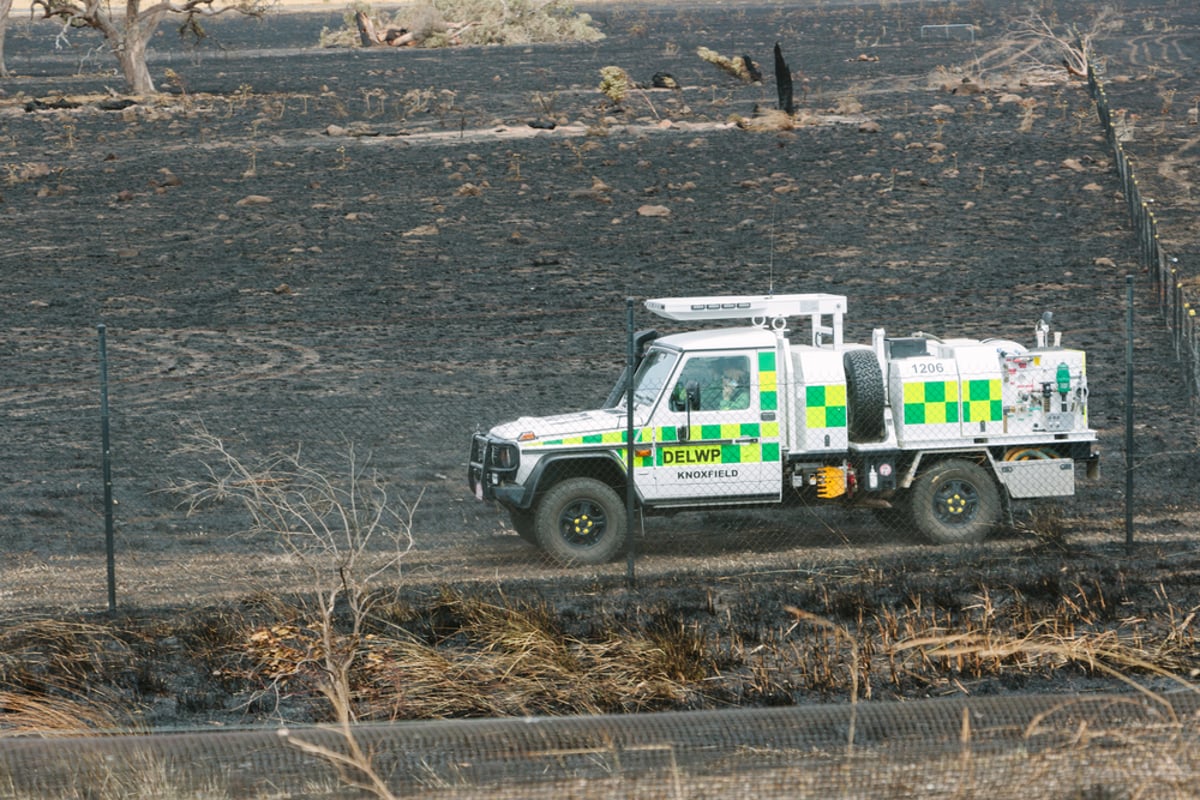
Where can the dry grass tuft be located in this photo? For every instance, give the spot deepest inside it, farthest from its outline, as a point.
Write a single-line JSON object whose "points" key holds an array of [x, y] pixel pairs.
{"points": [[767, 121], [56, 715], [1048, 524], [59, 677], [44, 649], [513, 659], [447, 23], [485, 658]]}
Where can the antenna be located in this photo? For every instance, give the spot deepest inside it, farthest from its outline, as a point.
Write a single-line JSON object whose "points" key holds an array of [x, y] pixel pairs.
{"points": [[771, 257]]}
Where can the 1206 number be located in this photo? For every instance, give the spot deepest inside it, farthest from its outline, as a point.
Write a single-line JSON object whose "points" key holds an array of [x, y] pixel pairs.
{"points": [[928, 367]]}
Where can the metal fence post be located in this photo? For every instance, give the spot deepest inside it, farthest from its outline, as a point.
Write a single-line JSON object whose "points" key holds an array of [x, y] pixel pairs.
{"points": [[106, 468], [1129, 412], [630, 489]]}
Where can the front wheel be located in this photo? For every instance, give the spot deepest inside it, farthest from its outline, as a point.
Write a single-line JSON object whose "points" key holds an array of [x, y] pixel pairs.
{"points": [[581, 521], [955, 502]]}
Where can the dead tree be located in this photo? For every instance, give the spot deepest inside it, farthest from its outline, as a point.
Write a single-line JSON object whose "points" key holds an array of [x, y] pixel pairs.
{"points": [[371, 35], [783, 83], [128, 30], [5, 7]]}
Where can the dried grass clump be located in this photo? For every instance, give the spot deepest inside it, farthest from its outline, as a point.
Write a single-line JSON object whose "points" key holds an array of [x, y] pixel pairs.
{"points": [[495, 659], [1048, 524], [43, 652], [767, 121], [57, 715], [505, 660], [59, 677], [443, 23]]}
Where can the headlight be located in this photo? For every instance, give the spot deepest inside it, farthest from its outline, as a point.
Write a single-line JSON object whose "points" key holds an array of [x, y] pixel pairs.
{"points": [[505, 456]]}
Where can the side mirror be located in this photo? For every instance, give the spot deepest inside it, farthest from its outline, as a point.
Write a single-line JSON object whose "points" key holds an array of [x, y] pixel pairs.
{"points": [[686, 397], [692, 391]]}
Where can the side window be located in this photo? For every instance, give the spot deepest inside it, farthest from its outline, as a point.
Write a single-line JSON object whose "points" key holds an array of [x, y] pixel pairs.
{"points": [[724, 383]]}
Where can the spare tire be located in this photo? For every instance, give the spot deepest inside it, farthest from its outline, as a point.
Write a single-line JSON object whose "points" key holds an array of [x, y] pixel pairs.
{"points": [[864, 396]]}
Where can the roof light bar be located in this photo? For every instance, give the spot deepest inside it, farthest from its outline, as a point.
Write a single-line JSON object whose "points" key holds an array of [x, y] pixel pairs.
{"points": [[824, 311], [683, 309]]}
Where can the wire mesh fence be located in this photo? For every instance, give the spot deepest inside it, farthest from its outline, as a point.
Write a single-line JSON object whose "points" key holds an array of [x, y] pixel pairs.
{"points": [[1007, 421], [788, 482], [1176, 299], [1102, 746]]}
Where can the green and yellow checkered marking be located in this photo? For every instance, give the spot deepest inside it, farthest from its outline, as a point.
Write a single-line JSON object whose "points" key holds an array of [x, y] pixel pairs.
{"points": [[825, 406], [615, 439], [609, 437], [938, 402], [768, 390], [931, 403], [729, 453], [715, 453], [982, 401]]}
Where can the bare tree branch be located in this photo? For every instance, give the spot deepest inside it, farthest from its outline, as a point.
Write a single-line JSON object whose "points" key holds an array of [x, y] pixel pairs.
{"points": [[331, 526], [128, 34]]}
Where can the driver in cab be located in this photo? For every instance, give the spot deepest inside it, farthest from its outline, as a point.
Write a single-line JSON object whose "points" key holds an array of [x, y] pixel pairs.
{"points": [[735, 386]]}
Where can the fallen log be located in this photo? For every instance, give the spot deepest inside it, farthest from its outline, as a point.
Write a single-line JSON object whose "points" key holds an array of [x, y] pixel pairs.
{"points": [[369, 35]]}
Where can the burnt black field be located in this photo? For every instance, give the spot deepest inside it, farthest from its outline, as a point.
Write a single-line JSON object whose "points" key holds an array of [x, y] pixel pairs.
{"points": [[315, 248]]}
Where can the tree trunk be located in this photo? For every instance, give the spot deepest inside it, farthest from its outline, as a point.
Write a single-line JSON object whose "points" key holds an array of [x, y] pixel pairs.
{"points": [[366, 29], [5, 7], [133, 62], [783, 83], [129, 41]]}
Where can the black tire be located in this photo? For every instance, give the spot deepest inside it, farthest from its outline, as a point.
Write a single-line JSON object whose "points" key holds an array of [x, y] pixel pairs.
{"points": [[522, 522], [581, 521], [955, 502], [864, 396]]}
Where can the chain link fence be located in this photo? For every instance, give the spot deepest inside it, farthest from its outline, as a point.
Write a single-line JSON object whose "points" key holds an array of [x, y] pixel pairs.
{"points": [[832, 517], [711, 482], [1170, 278], [1088, 746]]}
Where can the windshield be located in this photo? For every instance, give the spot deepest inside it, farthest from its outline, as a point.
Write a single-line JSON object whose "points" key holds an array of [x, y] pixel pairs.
{"points": [[652, 375]]}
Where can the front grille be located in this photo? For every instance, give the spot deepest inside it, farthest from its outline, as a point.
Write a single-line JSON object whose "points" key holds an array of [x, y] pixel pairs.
{"points": [[478, 449]]}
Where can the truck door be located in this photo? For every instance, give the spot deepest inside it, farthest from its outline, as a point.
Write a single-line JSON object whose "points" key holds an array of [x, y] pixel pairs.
{"points": [[722, 444]]}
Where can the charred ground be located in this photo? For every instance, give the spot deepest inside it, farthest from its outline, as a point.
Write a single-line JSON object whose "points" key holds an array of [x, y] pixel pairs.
{"points": [[296, 246]]}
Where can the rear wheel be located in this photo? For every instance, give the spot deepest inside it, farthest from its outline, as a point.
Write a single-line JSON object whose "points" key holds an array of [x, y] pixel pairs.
{"points": [[955, 502], [581, 521]]}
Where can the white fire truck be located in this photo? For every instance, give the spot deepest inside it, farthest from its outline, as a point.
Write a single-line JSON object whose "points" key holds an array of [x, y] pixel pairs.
{"points": [[936, 435]]}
